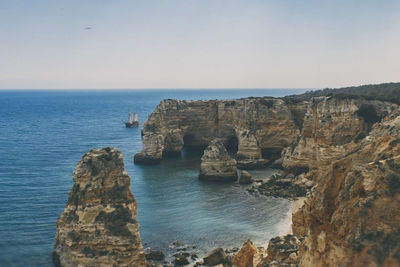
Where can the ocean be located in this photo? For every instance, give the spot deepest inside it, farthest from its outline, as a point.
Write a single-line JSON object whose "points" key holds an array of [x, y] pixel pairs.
{"points": [[43, 134]]}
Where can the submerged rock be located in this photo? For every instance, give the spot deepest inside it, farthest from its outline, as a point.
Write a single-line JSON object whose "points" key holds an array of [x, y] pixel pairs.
{"points": [[181, 259], [216, 164], [98, 226], [245, 178], [155, 255]]}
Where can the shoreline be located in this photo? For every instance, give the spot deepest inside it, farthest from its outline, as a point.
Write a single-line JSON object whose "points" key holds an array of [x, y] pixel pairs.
{"points": [[284, 227]]}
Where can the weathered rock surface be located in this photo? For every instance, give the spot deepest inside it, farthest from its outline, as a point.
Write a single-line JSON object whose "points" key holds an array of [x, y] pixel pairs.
{"points": [[331, 128], [217, 256], [289, 186], [245, 178], [244, 258], [258, 128], [353, 215], [98, 226], [347, 159], [349, 154], [181, 260], [216, 164], [155, 255], [283, 250]]}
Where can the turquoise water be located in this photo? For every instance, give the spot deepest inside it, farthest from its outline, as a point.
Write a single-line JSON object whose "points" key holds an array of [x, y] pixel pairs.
{"points": [[43, 134]]}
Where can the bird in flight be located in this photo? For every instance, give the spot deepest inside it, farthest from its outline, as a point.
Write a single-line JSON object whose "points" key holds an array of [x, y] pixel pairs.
{"points": [[88, 28]]}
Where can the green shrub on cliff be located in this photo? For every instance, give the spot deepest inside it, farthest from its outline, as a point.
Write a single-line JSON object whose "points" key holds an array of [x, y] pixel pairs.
{"points": [[384, 91]]}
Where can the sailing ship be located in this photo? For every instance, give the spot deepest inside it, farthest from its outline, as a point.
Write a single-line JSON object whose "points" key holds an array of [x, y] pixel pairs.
{"points": [[133, 120]]}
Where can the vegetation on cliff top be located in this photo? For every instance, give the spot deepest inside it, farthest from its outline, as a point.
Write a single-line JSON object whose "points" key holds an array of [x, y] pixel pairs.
{"points": [[384, 91]]}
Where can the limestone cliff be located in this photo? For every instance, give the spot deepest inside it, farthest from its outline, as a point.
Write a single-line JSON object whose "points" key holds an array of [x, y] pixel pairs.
{"points": [[353, 216], [258, 128], [350, 149], [216, 164], [98, 226], [332, 127]]}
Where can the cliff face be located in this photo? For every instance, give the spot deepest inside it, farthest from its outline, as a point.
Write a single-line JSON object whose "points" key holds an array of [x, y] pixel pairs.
{"points": [[98, 226], [257, 127], [331, 128], [353, 215]]}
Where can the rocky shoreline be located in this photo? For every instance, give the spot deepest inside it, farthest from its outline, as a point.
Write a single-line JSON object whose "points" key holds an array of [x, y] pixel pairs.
{"points": [[339, 156], [342, 154]]}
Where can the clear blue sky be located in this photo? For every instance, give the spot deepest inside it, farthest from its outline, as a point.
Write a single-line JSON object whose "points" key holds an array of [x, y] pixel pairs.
{"points": [[198, 43]]}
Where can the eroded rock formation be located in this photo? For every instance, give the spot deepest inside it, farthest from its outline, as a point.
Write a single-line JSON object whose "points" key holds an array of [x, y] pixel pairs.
{"points": [[353, 216], [216, 164], [331, 128], [258, 128], [344, 151], [98, 226], [244, 258]]}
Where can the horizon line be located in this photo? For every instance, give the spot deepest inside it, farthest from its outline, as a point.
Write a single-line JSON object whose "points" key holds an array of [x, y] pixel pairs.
{"points": [[165, 88]]}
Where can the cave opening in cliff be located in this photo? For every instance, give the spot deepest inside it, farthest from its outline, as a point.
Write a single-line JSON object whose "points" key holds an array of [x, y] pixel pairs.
{"points": [[271, 153], [192, 146], [188, 140], [232, 144]]}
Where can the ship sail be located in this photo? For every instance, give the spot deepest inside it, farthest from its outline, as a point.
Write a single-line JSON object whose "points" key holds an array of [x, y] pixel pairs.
{"points": [[131, 118]]}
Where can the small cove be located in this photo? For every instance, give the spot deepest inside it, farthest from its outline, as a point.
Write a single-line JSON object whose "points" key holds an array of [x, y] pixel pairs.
{"points": [[43, 134], [203, 214]]}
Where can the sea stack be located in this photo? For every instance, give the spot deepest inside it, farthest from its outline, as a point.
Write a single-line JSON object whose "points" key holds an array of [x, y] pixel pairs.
{"points": [[216, 164], [98, 226]]}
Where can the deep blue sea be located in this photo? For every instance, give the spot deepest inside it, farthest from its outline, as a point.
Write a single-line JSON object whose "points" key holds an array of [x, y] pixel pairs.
{"points": [[43, 134]]}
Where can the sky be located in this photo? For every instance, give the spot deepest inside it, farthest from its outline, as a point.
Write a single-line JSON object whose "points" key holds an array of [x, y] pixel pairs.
{"points": [[101, 44]]}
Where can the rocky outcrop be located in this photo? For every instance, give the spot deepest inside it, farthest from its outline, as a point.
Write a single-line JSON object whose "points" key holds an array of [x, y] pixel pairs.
{"points": [[155, 255], [348, 159], [217, 256], [344, 154], [353, 215], [244, 258], [98, 226], [288, 186], [283, 251], [257, 128], [332, 127], [216, 164]]}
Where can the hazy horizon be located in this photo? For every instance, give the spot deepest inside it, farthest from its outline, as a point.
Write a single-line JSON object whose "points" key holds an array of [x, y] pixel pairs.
{"points": [[144, 89], [193, 44]]}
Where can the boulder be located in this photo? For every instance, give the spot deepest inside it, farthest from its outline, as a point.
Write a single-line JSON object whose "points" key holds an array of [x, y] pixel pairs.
{"points": [[98, 226], [155, 255], [245, 178], [217, 256], [181, 260], [283, 249], [244, 258], [216, 164]]}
